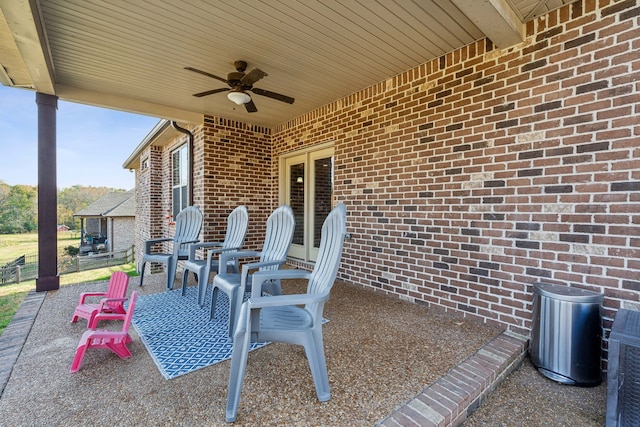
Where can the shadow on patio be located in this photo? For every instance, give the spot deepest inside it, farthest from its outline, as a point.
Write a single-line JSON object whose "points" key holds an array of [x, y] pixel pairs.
{"points": [[381, 354]]}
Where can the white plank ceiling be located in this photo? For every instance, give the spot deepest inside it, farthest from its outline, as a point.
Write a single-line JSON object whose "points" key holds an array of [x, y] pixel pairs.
{"points": [[131, 55]]}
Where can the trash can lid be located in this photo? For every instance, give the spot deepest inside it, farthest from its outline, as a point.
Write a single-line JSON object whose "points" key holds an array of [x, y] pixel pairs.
{"points": [[567, 293]]}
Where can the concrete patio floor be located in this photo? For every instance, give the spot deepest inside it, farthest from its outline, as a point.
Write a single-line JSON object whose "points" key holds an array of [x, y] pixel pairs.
{"points": [[390, 363]]}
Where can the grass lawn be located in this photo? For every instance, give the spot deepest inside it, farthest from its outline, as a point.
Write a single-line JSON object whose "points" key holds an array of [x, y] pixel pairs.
{"points": [[8, 306], [11, 296], [14, 245]]}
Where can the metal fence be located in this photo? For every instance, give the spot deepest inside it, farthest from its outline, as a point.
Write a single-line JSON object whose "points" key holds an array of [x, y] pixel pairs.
{"points": [[26, 267]]}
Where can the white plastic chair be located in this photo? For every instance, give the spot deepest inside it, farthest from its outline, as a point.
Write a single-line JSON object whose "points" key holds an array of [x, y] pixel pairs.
{"points": [[188, 225], [237, 224], [280, 226], [281, 319]]}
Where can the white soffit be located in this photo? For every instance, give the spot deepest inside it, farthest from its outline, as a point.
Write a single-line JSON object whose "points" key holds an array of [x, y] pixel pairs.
{"points": [[496, 19]]}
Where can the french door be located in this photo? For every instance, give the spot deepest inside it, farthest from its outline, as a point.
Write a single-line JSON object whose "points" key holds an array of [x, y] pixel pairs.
{"points": [[307, 186]]}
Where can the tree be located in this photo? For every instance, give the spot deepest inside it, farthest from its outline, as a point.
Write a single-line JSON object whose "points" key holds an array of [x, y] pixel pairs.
{"points": [[4, 191], [18, 212], [19, 206], [73, 199]]}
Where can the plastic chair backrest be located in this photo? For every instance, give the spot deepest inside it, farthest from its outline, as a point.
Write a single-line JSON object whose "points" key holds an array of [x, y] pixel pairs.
{"points": [[117, 287], [188, 226], [330, 251], [132, 305], [280, 227], [237, 224]]}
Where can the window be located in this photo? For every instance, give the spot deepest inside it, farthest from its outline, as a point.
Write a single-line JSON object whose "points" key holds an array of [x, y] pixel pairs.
{"points": [[179, 179]]}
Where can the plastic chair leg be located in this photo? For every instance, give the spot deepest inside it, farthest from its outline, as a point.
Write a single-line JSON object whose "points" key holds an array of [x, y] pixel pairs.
{"points": [[214, 299], [235, 304], [239, 356], [80, 351], [185, 276], [203, 276], [120, 348], [172, 265], [142, 273], [314, 350], [93, 322]]}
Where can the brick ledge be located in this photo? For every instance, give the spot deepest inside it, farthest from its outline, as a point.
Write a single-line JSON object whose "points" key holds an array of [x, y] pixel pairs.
{"points": [[453, 397]]}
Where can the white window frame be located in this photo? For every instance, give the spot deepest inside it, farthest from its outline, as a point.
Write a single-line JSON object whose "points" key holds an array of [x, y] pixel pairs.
{"points": [[179, 179]]}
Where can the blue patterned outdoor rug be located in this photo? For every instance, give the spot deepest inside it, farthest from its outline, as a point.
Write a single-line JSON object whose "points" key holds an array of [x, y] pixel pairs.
{"points": [[178, 333]]}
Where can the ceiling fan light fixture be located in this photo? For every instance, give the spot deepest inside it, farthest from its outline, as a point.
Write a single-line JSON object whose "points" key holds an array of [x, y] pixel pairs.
{"points": [[238, 83], [239, 97]]}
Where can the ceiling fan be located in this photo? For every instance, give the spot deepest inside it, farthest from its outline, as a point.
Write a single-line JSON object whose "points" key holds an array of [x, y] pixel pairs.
{"points": [[239, 83]]}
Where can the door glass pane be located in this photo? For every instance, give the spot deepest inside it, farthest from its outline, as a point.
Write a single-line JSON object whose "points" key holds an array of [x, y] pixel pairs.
{"points": [[323, 186], [296, 200]]}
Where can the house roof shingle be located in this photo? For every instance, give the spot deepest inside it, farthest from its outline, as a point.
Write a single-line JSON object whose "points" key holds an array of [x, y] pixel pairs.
{"points": [[111, 204], [126, 208]]}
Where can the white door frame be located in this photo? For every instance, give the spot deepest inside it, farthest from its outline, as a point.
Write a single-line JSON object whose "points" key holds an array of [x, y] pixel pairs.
{"points": [[304, 251]]}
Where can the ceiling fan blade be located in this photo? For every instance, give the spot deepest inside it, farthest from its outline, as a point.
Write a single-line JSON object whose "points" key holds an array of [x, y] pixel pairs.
{"points": [[204, 73], [251, 107], [211, 92], [253, 76], [267, 93]]}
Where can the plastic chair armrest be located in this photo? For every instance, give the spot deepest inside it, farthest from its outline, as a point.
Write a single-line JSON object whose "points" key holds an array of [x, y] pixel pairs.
{"points": [[149, 243], [259, 264], [253, 266], [177, 246], [84, 296], [259, 277], [105, 301], [225, 257], [193, 248], [212, 252], [104, 316], [283, 300]]}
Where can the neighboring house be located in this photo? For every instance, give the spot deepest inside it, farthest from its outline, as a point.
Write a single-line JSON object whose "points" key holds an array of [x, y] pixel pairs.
{"points": [[62, 228], [467, 179], [108, 224]]}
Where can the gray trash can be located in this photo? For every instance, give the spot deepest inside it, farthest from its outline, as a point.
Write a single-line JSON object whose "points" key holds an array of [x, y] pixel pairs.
{"points": [[566, 334]]}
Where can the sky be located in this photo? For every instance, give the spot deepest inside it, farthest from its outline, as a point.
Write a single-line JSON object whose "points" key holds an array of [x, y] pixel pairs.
{"points": [[92, 143]]}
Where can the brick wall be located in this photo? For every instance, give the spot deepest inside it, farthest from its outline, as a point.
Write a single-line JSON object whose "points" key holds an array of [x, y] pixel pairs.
{"points": [[122, 232], [231, 166], [471, 177], [234, 167], [150, 216]]}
